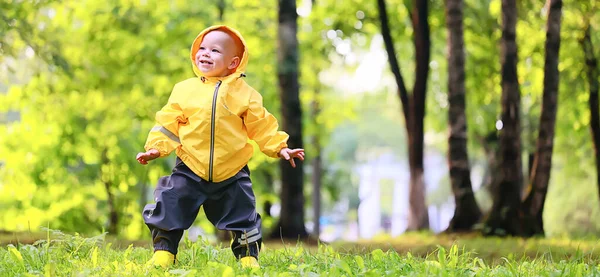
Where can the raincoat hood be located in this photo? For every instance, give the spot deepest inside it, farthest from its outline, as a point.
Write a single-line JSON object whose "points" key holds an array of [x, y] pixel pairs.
{"points": [[196, 45]]}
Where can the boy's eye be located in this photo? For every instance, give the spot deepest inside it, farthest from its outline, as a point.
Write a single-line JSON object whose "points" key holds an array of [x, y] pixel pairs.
{"points": [[215, 50], [201, 48]]}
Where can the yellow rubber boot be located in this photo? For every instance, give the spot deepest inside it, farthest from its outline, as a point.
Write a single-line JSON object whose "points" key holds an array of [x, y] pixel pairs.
{"points": [[249, 262], [161, 258]]}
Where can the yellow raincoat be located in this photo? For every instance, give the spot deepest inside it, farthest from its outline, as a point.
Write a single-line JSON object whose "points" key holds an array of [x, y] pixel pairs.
{"points": [[208, 121]]}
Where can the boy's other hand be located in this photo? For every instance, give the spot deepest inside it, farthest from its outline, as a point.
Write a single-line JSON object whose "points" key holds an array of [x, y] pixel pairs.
{"points": [[145, 157], [290, 154]]}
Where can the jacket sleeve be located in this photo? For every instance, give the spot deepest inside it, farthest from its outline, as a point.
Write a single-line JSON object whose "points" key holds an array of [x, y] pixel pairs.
{"points": [[164, 136], [263, 127]]}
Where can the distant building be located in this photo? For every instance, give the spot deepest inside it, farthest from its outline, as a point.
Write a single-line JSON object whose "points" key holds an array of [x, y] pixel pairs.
{"points": [[384, 181]]}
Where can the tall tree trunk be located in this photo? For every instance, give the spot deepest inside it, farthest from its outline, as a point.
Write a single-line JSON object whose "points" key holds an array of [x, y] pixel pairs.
{"points": [[113, 217], [143, 199], [316, 197], [466, 211], [593, 74], [291, 221], [414, 107], [221, 9], [504, 216], [490, 175], [418, 217], [317, 168], [533, 206]]}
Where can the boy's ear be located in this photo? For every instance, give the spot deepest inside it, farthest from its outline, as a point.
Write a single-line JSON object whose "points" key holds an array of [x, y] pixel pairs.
{"points": [[235, 62]]}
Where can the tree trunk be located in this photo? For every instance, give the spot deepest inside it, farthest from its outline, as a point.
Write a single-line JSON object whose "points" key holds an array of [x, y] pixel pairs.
{"points": [[414, 107], [466, 211], [221, 9], [113, 218], [317, 168], [143, 200], [504, 216], [291, 221], [530, 160], [418, 217], [317, 175], [490, 175], [533, 206], [591, 63]]}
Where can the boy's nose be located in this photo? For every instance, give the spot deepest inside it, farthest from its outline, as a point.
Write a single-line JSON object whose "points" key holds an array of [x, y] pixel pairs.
{"points": [[201, 53]]}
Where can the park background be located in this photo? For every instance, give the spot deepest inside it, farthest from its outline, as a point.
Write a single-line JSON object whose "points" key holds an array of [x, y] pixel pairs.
{"points": [[476, 116]]}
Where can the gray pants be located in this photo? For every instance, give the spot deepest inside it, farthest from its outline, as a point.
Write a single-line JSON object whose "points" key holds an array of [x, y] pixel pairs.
{"points": [[229, 205]]}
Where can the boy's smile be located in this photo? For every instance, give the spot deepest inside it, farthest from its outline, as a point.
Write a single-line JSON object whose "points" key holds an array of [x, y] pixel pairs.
{"points": [[204, 64], [216, 56]]}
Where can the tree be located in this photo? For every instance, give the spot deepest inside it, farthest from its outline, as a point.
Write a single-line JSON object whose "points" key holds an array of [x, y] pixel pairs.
{"points": [[592, 73], [504, 216], [291, 221], [533, 205], [317, 169], [466, 211], [414, 107]]}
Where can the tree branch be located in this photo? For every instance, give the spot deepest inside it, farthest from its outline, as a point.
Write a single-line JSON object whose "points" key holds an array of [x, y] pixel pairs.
{"points": [[389, 47]]}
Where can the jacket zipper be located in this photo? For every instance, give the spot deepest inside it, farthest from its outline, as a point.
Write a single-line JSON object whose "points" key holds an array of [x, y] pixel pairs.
{"points": [[212, 132]]}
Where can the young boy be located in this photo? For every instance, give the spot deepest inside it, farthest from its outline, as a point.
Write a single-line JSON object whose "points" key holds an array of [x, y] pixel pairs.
{"points": [[208, 121]]}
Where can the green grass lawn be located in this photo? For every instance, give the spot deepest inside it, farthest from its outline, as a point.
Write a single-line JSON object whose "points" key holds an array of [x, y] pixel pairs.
{"points": [[492, 250], [409, 255]]}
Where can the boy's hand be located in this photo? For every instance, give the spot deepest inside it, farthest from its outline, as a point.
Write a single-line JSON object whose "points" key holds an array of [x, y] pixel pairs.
{"points": [[145, 157], [290, 154]]}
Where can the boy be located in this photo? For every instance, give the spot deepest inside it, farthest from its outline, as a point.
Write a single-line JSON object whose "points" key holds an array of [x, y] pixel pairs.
{"points": [[208, 121]]}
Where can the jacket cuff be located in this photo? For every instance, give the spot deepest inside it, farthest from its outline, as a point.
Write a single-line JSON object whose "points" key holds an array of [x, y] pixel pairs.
{"points": [[278, 149], [160, 149]]}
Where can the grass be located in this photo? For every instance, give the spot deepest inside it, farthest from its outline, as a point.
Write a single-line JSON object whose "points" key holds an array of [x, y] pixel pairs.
{"points": [[410, 255], [492, 250]]}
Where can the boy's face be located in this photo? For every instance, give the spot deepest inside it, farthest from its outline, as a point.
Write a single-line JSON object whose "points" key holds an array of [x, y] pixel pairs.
{"points": [[217, 56]]}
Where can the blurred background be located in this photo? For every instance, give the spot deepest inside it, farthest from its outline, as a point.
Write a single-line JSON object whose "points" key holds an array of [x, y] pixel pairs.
{"points": [[386, 97]]}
